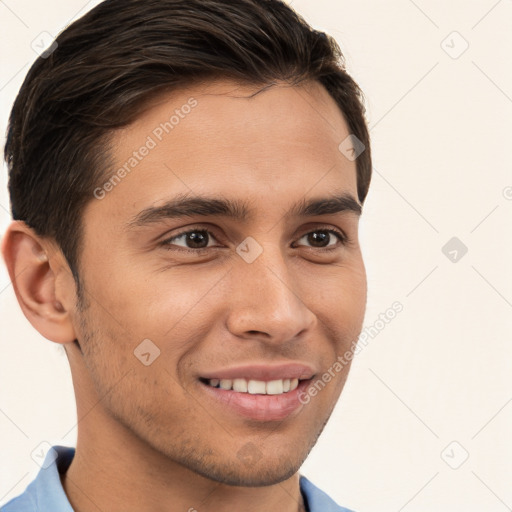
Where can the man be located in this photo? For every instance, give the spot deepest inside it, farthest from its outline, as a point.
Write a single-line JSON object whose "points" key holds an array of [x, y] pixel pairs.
{"points": [[186, 180]]}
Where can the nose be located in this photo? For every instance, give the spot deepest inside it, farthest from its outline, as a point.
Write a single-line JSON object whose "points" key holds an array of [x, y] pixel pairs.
{"points": [[265, 301]]}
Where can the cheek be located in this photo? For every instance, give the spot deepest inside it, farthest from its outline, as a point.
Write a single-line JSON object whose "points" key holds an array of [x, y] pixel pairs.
{"points": [[105, 345], [181, 305], [143, 302], [129, 387], [339, 300]]}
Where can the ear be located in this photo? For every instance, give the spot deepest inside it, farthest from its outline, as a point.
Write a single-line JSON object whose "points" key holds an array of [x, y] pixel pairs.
{"points": [[34, 265]]}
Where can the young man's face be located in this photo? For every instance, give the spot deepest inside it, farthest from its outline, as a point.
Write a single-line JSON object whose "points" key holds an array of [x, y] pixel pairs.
{"points": [[283, 304]]}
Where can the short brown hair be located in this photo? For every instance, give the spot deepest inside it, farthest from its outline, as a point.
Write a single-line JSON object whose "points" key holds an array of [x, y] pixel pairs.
{"points": [[107, 65]]}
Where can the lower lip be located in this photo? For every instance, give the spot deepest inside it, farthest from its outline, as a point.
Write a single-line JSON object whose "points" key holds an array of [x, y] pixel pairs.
{"points": [[259, 407]]}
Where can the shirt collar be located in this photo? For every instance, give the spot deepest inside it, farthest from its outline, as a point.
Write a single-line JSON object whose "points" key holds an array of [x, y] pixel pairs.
{"points": [[46, 490]]}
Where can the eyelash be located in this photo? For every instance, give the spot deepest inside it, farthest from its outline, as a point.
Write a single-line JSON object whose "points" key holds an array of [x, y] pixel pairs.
{"points": [[168, 246]]}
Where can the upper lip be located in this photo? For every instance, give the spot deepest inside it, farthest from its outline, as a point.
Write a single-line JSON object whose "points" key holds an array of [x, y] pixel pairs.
{"points": [[263, 372]]}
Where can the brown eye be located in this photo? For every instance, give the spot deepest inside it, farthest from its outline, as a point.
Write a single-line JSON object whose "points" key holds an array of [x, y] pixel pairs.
{"points": [[324, 238], [189, 240]]}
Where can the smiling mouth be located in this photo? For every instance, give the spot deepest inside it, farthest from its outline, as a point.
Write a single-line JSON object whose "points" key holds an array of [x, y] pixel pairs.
{"points": [[258, 400], [254, 387]]}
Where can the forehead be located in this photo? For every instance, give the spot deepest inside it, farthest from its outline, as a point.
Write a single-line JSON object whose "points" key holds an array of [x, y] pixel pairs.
{"points": [[226, 138]]}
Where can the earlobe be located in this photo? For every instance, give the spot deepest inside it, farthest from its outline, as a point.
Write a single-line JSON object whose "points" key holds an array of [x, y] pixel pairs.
{"points": [[33, 264]]}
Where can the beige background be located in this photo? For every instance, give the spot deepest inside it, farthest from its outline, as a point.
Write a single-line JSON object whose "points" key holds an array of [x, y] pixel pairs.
{"points": [[441, 127]]}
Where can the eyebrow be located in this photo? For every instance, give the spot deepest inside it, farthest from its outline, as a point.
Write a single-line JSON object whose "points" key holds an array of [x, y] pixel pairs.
{"points": [[185, 205]]}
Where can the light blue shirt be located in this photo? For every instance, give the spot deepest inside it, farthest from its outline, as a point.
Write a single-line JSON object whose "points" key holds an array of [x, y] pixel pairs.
{"points": [[45, 492]]}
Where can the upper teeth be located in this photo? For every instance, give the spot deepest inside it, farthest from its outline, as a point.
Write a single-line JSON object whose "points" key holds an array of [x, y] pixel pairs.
{"points": [[254, 387]]}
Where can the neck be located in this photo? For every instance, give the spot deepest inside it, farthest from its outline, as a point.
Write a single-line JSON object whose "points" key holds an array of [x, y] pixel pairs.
{"points": [[118, 472]]}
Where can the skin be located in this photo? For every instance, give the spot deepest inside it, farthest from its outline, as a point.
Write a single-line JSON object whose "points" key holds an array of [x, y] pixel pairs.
{"points": [[149, 438]]}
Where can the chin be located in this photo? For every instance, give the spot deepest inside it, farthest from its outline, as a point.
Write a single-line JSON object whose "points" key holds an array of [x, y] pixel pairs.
{"points": [[248, 467], [260, 475]]}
